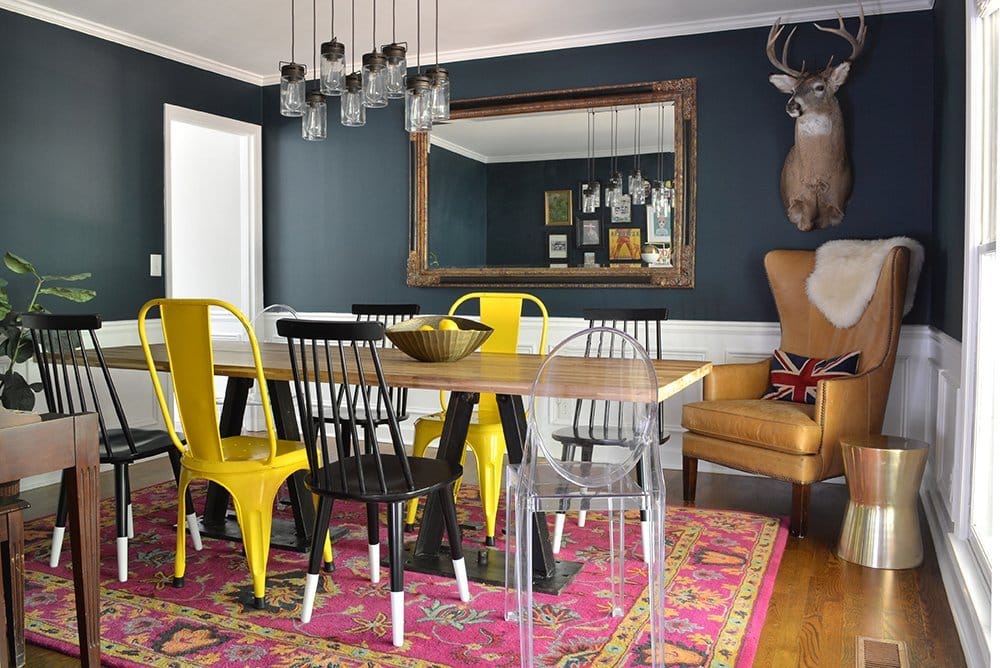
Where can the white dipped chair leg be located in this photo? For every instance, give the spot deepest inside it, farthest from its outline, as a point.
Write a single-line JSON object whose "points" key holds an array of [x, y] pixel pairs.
{"points": [[309, 597], [581, 520], [557, 532], [192, 525], [461, 578], [373, 563], [128, 520], [396, 598], [57, 543], [121, 545]]}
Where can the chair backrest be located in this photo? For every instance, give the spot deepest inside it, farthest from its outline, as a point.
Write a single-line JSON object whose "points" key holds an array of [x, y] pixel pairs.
{"points": [[71, 382], [806, 331], [187, 335], [502, 311], [645, 325], [388, 315], [263, 324], [328, 359], [627, 393]]}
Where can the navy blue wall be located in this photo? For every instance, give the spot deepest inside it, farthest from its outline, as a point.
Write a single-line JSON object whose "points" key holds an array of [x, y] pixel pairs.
{"points": [[81, 156], [337, 211], [946, 255], [456, 194]]}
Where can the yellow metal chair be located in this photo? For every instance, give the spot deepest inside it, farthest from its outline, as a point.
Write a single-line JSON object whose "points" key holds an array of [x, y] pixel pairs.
{"points": [[250, 468], [502, 312]]}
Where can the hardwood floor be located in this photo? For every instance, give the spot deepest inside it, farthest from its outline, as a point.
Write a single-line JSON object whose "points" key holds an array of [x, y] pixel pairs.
{"points": [[820, 603]]}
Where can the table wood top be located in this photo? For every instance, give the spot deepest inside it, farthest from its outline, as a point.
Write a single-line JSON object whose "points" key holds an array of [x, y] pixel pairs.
{"points": [[479, 372]]}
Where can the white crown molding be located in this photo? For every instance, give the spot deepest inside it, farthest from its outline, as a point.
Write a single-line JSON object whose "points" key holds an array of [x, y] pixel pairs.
{"points": [[677, 29], [455, 148], [104, 32], [755, 20]]}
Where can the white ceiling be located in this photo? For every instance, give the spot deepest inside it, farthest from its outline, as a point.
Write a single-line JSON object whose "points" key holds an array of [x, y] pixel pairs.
{"points": [[246, 39]]}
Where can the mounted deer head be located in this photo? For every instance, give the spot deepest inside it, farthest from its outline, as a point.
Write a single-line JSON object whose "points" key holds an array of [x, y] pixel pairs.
{"points": [[816, 178]]}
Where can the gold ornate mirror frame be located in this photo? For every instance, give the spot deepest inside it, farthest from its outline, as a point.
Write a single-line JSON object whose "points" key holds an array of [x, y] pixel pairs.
{"points": [[682, 92]]}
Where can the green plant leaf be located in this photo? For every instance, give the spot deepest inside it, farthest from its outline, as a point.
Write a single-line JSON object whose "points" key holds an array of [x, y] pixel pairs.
{"points": [[71, 277], [17, 264], [79, 295], [17, 394]]}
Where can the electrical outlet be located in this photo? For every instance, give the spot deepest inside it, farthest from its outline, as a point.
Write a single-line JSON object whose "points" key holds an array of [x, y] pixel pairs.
{"points": [[155, 264]]}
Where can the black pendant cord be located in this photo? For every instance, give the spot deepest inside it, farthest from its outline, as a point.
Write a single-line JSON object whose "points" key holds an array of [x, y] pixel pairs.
{"points": [[637, 134], [314, 46], [374, 48], [353, 70], [293, 30], [436, 60], [333, 32], [393, 21], [418, 37], [659, 146]]}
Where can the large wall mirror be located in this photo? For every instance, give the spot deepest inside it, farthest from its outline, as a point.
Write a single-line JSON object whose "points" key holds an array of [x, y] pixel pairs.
{"points": [[499, 194]]}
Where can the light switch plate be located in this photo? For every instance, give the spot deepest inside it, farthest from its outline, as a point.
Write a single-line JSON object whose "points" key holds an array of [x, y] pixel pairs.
{"points": [[155, 264]]}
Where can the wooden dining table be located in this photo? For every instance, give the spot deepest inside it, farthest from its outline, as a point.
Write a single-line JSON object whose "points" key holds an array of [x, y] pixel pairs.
{"points": [[508, 376]]}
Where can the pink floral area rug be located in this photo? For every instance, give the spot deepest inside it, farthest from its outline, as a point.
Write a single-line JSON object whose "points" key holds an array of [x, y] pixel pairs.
{"points": [[721, 567]]}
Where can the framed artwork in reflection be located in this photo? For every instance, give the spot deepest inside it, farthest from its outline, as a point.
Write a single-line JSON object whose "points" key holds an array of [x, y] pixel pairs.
{"points": [[588, 232], [624, 243], [558, 246], [558, 207]]}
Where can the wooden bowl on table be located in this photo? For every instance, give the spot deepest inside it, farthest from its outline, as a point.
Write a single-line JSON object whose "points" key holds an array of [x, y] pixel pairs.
{"points": [[423, 338]]}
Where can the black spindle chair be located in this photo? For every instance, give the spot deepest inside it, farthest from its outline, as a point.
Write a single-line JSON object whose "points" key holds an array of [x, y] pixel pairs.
{"points": [[595, 423], [76, 379], [324, 356]]}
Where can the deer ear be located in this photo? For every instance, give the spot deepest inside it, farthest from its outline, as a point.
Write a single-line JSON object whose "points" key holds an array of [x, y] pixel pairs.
{"points": [[839, 75], [783, 82]]}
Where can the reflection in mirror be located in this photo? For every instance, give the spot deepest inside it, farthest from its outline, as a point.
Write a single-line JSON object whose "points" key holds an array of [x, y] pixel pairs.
{"points": [[518, 190]]}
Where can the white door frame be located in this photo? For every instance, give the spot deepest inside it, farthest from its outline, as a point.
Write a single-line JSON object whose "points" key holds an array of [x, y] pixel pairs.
{"points": [[250, 135]]}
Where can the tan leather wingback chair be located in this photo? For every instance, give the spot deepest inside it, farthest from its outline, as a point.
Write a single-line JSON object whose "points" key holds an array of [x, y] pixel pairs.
{"points": [[799, 443]]}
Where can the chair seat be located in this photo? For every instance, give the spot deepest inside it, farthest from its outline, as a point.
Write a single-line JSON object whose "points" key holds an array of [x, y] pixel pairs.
{"points": [[359, 416], [549, 485], [148, 442], [586, 435], [428, 475], [776, 425], [244, 454]]}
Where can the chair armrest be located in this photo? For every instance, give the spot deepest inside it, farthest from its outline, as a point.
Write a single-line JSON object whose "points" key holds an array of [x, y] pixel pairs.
{"points": [[737, 381], [844, 407]]}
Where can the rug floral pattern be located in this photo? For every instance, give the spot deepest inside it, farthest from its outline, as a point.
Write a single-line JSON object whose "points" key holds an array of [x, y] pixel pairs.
{"points": [[721, 567]]}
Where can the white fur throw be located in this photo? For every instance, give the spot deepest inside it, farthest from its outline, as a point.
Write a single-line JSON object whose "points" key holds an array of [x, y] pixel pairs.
{"points": [[846, 272]]}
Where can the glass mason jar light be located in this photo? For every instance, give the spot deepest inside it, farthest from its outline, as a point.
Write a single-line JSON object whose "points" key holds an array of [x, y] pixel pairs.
{"points": [[637, 187], [440, 93], [592, 197], [331, 68], [395, 70], [314, 121], [293, 89], [373, 73], [614, 190], [418, 116], [352, 110]]}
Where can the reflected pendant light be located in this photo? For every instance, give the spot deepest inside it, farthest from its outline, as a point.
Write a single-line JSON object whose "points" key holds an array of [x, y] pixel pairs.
{"points": [[373, 74], [314, 120], [331, 66], [658, 194], [293, 81], [614, 190], [440, 84], [592, 193], [352, 108], [636, 184], [417, 116], [395, 63]]}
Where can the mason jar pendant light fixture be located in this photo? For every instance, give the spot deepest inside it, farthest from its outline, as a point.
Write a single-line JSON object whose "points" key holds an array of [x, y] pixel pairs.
{"points": [[592, 195], [440, 85], [395, 63], [331, 66], [373, 74], [658, 193], [418, 116], [314, 121], [293, 81], [636, 184], [614, 191], [352, 108]]}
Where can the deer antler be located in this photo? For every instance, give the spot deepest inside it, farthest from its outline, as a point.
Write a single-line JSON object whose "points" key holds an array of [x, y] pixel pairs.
{"points": [[857, 42], [772, 39]]}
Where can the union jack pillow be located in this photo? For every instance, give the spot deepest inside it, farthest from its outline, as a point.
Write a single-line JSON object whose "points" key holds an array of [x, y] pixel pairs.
{"points": [[794, 378]]}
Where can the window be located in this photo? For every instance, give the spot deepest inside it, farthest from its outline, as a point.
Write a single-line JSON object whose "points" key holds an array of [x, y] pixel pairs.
{"points": [[982, 329]]}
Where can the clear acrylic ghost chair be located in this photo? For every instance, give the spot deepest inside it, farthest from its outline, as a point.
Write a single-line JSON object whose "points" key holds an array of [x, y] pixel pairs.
{"points": [[264, 328], [545, 483]]}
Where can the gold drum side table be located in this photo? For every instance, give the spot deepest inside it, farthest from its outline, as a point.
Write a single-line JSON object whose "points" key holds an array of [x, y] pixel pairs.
{"points": [[881, 528]]}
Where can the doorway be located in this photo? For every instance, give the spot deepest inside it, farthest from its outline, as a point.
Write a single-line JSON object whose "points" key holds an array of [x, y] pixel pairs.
{"points": [[212, 211]]}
